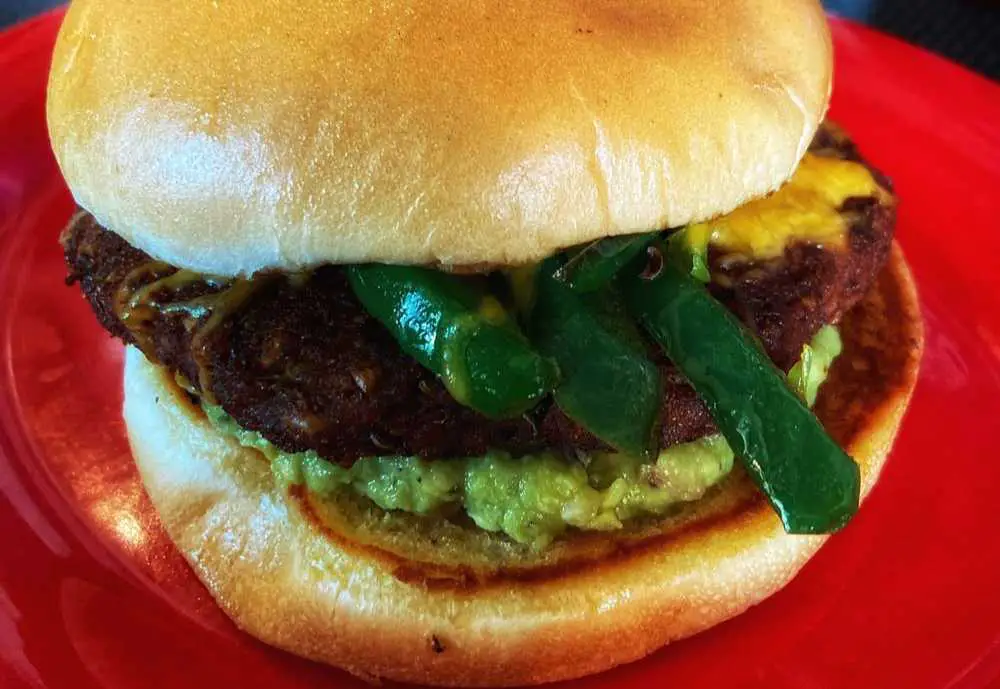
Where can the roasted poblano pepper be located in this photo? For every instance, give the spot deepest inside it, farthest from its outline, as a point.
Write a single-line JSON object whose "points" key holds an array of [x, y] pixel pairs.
{"points": [[688, 249], [596, 264], [459, 332], [609, 386], [812, 484]]}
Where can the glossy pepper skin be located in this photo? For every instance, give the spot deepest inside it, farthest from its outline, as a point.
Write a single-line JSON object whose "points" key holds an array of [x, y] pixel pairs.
{"points": [[596, 265], [460, 333], [812, 484], [609, 386]]}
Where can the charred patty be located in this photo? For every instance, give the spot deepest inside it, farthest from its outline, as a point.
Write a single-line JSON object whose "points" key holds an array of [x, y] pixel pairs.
{"points": [[298, 359]]}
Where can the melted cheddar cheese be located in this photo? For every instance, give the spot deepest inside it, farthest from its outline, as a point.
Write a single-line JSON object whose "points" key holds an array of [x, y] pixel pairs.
{"points": [[806, 208]]}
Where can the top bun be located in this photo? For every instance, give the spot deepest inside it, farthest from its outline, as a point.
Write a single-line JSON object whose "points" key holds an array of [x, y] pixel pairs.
{"points": [[233, 136]]}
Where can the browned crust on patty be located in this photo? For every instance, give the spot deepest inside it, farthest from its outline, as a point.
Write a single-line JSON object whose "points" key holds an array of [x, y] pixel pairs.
{"points": [[303, 364]]}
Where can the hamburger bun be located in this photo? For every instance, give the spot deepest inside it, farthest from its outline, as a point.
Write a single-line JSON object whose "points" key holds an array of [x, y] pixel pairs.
{"points": [[422, 600], [232, 137]]}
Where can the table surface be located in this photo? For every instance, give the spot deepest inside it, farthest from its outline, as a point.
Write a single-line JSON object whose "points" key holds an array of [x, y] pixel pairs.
{"points": [[967, 31]]}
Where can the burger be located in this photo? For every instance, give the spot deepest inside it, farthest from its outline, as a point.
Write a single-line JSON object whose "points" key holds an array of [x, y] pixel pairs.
{"points": [[477, 343]]}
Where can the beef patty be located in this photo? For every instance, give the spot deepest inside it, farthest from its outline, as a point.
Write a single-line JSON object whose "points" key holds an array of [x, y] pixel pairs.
{"points": [[296, 357]]}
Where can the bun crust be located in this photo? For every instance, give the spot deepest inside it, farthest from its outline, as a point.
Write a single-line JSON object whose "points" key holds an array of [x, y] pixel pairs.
{"points": [[236, 136], [469, 610]]}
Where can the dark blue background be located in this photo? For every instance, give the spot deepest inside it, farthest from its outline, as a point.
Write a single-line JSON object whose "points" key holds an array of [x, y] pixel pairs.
{"points": [[967, 31]]}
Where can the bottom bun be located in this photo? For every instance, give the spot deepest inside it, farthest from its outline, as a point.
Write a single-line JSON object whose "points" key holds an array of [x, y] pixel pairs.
{"points": [[421, 600]]}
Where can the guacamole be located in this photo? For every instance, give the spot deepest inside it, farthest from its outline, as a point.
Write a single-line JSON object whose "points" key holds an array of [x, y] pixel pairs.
{"points": [[531, 499]]}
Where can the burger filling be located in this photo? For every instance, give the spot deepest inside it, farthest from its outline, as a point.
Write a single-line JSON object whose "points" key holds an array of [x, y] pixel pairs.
{"points": [[533, 498], [534, 398]]}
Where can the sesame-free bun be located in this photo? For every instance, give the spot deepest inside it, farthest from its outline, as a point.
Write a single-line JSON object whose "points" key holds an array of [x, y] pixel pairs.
{"points": [[390, 595], [229, 137]]}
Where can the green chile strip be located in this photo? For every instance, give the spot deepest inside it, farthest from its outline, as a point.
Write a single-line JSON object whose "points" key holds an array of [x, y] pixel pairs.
{"points": [[595, 265], [609, 385], [688, 255], [812, 484], [460, 333]]}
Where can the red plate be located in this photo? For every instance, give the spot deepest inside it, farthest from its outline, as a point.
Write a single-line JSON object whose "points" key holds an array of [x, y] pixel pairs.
{"points": [[93, 595]]}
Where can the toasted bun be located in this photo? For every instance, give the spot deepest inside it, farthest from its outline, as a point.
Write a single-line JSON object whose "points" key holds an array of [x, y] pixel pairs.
{"points": [[230, 137], [422, 600]]}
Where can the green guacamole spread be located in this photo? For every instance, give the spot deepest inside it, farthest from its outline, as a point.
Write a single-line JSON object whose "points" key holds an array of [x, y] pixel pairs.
{"points": [[532, 499]]}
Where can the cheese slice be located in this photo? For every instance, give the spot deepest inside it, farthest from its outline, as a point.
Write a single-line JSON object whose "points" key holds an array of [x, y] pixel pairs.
{"points": [[806, 208]]}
